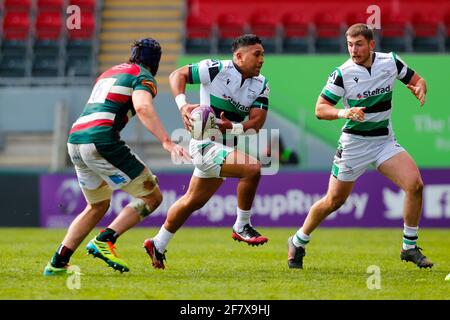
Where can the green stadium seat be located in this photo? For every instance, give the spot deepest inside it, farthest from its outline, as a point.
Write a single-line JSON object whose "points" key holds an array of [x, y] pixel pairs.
{"points": [[12, 66], [14, 47], [45, 66], [79, 66]]}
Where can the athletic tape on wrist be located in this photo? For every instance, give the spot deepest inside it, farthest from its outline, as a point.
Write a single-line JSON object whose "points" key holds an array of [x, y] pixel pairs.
{"points": [[180, 100]]}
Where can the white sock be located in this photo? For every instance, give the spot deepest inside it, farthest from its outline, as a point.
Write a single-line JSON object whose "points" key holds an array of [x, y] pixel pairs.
{"points": [[162, 239], [300, 239], [409, 237], [242, 218]]}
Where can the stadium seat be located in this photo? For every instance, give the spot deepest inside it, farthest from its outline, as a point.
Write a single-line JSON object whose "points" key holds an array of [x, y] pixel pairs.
{"points": [[85, 5], [78, 66], [328, 33], [199, 34], [428, 33], [17, 6], [16, 26], [48, 26], [87, 30], [45, 65], [296, 33], [395, 33], [12, 66], [230, 26], [264, 25], [447, 31], [356, 17], [50, 5]]}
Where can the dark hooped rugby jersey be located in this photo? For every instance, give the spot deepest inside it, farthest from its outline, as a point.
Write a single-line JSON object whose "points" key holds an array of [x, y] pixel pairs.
{"points": [[110, 105]]}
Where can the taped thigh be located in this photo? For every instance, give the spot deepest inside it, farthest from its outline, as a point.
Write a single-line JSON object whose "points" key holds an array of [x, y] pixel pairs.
{"points": [[96, 195], [142, 185]]}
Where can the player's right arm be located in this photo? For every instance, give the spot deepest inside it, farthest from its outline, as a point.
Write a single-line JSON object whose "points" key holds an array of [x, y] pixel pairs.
{"points": [[330, 96], [145, 111], [326, 110], [203, 72], [178, 80]]}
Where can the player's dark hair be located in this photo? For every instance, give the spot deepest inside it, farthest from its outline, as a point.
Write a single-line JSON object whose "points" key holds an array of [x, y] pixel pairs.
{"points": [[360, 29], [244, 41], [146, 51]]}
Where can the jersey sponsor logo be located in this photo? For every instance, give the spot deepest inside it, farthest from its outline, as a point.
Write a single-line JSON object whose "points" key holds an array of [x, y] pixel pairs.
{"points": [[236, 104], [377, 91]]}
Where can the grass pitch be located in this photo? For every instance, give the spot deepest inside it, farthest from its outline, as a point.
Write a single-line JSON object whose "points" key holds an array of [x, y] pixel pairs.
{"points": [[205, 263]]}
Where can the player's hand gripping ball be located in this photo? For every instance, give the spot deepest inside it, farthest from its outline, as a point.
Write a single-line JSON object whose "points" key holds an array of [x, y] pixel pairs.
{"points": [[203, 122]]}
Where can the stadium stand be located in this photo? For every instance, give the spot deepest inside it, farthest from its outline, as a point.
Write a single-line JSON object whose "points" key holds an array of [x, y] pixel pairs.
{"points": [[266, 27], [36, 43], [230, 25], [329, 32], [318, 26], [427, 32], [199, 34], [447, 31], [296, 33]]}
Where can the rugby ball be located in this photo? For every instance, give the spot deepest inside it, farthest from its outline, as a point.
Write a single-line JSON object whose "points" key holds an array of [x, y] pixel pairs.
{"points": [[203, 121]]}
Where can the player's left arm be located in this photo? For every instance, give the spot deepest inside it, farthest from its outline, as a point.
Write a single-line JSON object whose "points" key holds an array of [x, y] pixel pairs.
{"points": [[418, 87], [413, 81]]}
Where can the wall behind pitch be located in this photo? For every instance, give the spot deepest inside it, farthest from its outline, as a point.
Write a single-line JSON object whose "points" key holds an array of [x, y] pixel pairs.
{"points": [[296, 81], [19, 205]]}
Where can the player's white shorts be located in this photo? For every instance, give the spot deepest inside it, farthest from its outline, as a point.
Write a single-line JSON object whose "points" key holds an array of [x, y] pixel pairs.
{"points": [[354, 155], [94, 165], [208, 157]]}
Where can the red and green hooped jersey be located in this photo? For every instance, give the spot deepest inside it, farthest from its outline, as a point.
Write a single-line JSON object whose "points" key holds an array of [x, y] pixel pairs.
{"points": [[110, 105]]}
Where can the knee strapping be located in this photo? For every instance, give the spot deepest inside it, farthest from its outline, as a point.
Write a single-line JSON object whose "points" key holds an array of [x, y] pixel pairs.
{"points": [[141, 207]]}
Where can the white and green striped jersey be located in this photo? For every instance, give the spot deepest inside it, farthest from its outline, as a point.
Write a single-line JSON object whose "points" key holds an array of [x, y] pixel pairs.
{"points": [[372, 88], [223, 88]]}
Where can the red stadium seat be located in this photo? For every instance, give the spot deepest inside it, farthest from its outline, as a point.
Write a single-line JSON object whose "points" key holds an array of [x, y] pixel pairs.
{"points": [[427, 32], [264, 25], [16, 26], [85, 5], [447, 31], [230, 26], [17, 5], [48, 26], [329, 35], [356, 17], [50, 5], [296, 32], [395, 35], [199, 33], [87, 29]]}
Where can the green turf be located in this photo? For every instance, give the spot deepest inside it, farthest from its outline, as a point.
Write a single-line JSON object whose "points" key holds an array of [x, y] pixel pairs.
{"points": [[205, 263]]}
